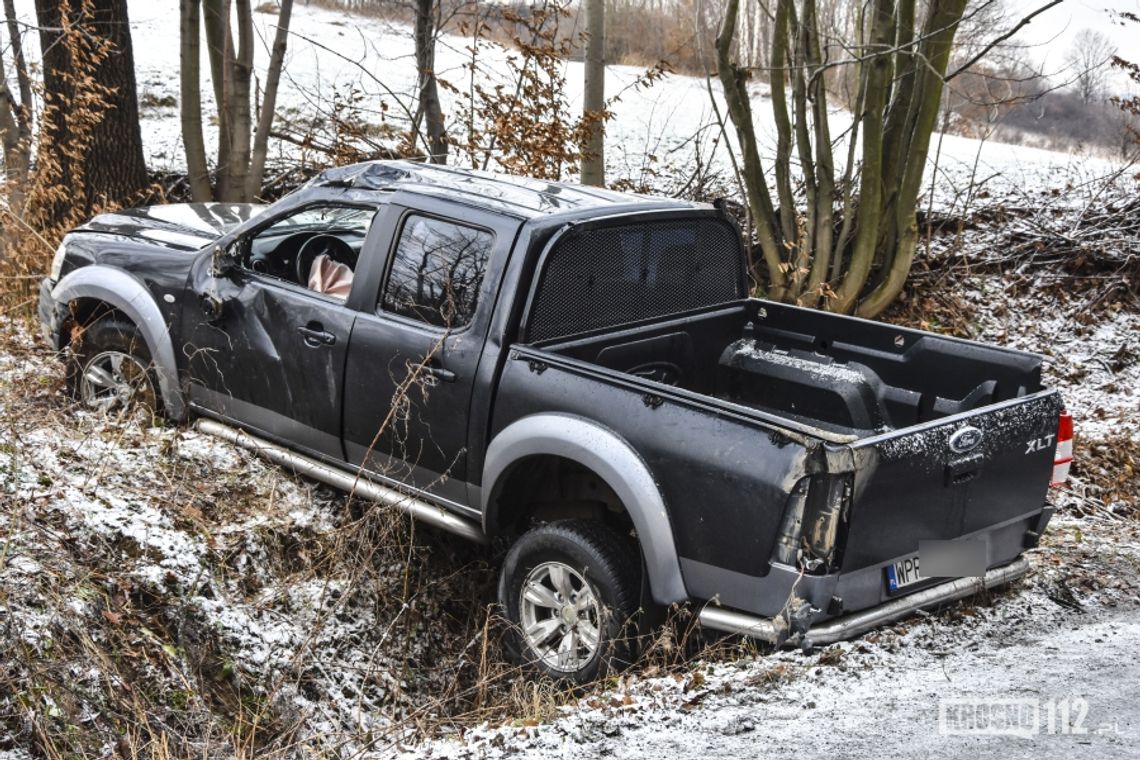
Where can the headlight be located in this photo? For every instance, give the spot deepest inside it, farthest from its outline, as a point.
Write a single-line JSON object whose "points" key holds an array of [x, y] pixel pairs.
{"points": [[57, 262]]}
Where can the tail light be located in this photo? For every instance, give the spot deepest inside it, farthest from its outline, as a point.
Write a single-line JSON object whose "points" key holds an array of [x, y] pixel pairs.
{"points": [[1064, 456]]}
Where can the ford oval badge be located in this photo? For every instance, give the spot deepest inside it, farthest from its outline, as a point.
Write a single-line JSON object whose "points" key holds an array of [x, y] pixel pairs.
{"points": [[965, 439]]}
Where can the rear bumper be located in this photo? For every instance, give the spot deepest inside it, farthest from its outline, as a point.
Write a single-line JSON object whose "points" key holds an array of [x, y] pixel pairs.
{"points": [[775, 631], [846, 591]]}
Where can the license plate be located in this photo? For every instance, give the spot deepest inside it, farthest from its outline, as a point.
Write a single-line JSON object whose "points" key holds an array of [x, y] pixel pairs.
{"points": [[903, 573]]}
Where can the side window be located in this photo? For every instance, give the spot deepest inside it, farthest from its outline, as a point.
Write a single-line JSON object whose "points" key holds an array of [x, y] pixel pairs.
{"points": [[316, 247], [437, 271]]}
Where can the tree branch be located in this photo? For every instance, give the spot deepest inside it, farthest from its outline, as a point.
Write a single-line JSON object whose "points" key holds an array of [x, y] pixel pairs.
{"points": [[1017, 27]]}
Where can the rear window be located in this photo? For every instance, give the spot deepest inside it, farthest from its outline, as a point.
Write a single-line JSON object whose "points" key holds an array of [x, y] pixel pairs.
{"points": [[599, 278]]}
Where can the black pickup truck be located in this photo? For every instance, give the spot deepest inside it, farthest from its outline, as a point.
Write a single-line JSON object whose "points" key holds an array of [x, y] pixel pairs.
{"points": [[584, 374]]}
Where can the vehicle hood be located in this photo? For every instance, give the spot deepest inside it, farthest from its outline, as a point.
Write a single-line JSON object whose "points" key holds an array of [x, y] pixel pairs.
{"points": [[179, 226]]}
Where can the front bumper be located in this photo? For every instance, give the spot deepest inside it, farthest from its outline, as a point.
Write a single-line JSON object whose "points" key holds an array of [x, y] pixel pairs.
{"points": [[49, 313], [776, 630]]}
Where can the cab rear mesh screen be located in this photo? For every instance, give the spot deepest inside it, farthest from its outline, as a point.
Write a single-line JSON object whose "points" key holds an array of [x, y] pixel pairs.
{"points": [[600, 278]]}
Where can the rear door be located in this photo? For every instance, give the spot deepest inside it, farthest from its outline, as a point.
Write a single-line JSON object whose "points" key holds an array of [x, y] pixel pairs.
{"points": [[415, 349]]}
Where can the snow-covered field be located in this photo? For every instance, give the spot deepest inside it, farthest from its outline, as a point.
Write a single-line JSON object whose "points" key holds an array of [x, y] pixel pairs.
{"points": [[331, 54], [155, 582]]}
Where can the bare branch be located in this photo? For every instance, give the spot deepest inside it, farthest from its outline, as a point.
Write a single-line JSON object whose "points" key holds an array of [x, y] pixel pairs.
{"points": [[1002, 38]]}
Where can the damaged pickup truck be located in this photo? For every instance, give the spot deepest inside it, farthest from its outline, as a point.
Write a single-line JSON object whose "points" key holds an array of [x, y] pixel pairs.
{"points": [[583, 374]]}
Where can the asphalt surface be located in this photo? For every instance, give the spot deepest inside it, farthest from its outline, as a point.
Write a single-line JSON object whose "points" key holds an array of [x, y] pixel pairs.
{"points": [[1089, 673]]}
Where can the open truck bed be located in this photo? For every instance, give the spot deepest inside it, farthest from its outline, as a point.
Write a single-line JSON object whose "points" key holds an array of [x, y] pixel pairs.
{"points": [[885, 437], [843, 378]]}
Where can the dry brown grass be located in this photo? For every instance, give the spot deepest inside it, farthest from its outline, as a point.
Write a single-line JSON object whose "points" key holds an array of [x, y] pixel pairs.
{"points": [[1111, 467], [95, 656]]}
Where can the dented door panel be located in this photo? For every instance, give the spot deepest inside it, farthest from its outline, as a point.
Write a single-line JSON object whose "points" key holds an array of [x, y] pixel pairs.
{"points": [[273, 360]]}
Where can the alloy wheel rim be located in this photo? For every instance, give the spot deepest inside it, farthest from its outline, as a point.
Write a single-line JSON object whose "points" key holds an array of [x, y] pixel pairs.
{"points": [[114, 380], [561, 616]]}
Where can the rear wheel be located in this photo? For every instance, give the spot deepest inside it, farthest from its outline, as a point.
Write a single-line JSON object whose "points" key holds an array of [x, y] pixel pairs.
{"points": [[110, 368], [570, 591]]}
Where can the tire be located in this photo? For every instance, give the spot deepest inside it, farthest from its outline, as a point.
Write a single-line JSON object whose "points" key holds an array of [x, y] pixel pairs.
{"points": [[577, 620], [110, 368]]}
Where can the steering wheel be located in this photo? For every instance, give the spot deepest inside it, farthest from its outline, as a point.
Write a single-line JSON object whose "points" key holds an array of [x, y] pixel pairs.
{"points": [[330, 245]]}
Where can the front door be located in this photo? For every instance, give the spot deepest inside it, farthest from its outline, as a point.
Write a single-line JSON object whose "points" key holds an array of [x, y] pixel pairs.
{"points": [[273, 359]]}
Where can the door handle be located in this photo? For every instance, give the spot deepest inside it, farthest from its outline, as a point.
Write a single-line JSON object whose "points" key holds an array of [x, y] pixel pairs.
{"points": [[440, 373], [316, 335], [964, 470]]}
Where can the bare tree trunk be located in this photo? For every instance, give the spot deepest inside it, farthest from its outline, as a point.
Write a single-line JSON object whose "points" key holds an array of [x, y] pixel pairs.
{"points": [[113, 169], [217, 23], [778, 85], [237, 107], [269, 102], [740, 111], [219, 41], [868, 215], [116, 168], [847, 183], [16, 126], [15, 155], [594, 100], [938, 38], [191, 102], [429, 110], [803, 242], [823, 229], [24, 82], [765, 34]]}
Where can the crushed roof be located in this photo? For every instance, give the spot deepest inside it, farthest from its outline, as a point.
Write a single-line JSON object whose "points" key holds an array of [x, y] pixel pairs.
{"points": [[519, 195]]}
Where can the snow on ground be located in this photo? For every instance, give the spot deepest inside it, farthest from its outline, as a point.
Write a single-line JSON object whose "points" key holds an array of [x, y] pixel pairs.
{"points": [[208, 564], [225, 576], [880, 696], [223, 587], [1095, 364]]}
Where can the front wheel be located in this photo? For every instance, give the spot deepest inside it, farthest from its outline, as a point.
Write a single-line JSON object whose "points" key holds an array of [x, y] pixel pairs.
{"points": [[569, 590], [110, 368]]}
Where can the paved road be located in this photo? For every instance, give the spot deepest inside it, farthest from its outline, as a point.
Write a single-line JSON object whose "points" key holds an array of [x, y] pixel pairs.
{"points": [[894, 712], [1083, 668]]}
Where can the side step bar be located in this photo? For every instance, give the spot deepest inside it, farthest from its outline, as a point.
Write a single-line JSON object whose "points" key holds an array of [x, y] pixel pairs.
{"points": [[857, 623], [346, 481]]}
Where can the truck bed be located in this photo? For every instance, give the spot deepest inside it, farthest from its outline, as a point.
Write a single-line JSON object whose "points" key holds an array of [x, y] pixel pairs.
{"points": [[850, 378], [760, 400]]}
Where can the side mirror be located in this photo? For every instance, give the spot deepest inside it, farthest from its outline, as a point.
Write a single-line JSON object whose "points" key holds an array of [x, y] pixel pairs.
{"points": [[222, 262], [212, 307]]}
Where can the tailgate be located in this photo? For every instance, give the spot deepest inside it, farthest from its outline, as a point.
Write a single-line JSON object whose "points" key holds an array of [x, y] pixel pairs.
{"points": [[957, 476]]}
